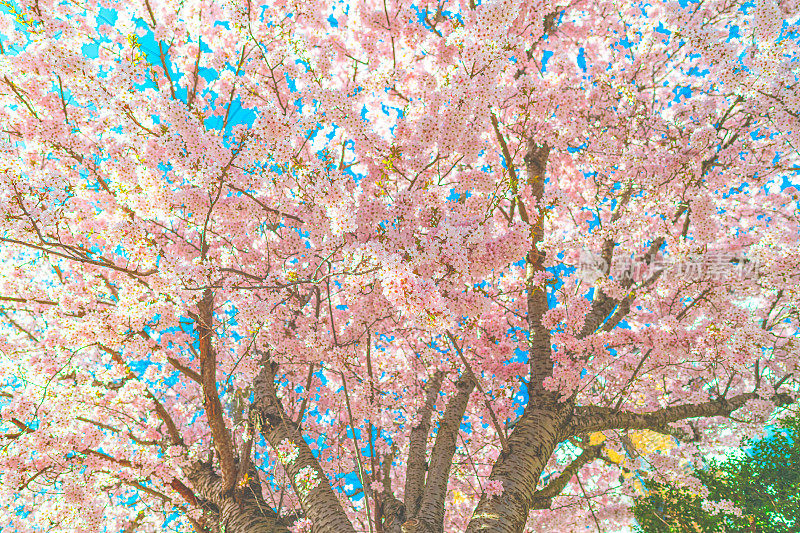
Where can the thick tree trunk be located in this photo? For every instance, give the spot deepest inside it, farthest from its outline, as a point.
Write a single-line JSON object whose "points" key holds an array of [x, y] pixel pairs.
{"points": [[530, 446], [247, 513]]}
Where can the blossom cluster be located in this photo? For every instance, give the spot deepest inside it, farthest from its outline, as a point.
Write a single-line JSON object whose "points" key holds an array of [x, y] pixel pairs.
{"points": [[287, 452]]}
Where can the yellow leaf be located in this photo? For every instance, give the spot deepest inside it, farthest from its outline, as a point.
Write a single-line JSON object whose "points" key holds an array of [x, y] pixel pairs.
{"points": [[614, 456], [646, 441], [596, 438]]}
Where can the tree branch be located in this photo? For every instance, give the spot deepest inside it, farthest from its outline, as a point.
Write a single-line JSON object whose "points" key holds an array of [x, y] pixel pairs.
{"points": [[539, 351], [317, 498], [106, 263], [418, 449], [497, 427], [264, 206], [593, 418], [530, 445], [362, 477], [512, 173], [431, 508], [188, 372], [211, 403], [248, 513], [605, 305], [544, 497], [161, 411]]}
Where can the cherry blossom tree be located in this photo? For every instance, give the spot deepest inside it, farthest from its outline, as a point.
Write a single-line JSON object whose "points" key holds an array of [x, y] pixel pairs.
{"points": [[271, 265]]}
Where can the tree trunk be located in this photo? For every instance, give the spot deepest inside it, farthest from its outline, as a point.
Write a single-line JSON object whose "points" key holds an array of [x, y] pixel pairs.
{"points": [[530, 446], [246, 513]]}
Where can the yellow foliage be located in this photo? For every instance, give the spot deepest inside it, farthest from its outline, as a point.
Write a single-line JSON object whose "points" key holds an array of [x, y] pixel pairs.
{"points": [[638, 487], [596, 438], [614, 456], [647, 441]]}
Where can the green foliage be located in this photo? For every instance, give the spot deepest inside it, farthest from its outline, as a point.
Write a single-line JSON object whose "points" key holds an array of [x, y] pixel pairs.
{"points": [[763, 482]]}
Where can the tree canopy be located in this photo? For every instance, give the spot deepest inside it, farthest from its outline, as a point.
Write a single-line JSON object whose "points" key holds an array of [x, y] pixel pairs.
{"points": [[397, 266]]}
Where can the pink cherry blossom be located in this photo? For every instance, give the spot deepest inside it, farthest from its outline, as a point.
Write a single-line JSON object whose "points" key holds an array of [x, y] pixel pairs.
{"points": [[482, 265]]}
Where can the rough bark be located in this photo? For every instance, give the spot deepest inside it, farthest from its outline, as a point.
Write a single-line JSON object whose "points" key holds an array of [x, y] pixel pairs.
{"points": [[530, 446], [211, 403], [393, 514], [607, 311], [591, 418], [317, 499], [540, 428], [418, 447], [539, 356], [431, 511], [248, 513]]}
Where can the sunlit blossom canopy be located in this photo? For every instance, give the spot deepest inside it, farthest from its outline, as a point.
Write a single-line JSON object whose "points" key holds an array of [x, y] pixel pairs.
{"points": [[397, 266]]}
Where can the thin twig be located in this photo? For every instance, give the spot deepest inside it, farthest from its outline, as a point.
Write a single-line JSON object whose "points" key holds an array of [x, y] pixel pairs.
{"points": [[591, 507], [308, 393], [361, 474], [495, 422]]}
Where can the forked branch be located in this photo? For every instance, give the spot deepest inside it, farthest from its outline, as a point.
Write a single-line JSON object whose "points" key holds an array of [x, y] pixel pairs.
{"points": [[417, 463], [317, 499], [544, 497], [431, 510]]}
